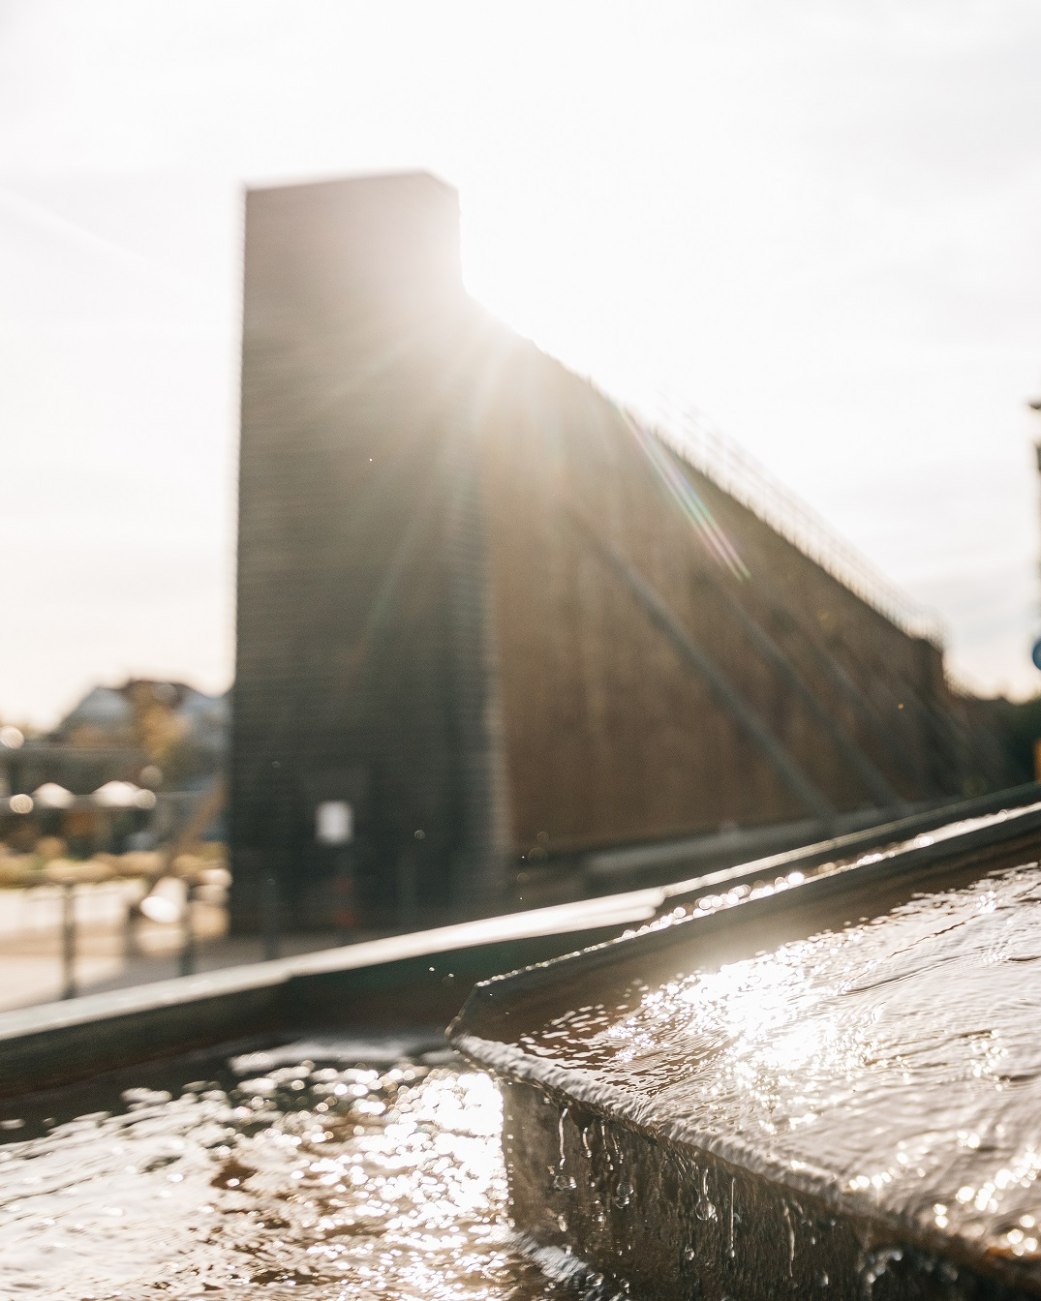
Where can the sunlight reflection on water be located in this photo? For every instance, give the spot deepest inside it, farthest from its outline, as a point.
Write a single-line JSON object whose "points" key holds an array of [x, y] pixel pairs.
{"points": [[899, 1057], [305, 1180]]}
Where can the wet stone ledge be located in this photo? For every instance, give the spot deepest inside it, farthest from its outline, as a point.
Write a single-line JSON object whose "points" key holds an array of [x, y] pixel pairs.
{"points": [[656, 1222], [830, 1090]]}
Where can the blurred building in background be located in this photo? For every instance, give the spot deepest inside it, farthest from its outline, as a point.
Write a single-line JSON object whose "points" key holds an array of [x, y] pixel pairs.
{"points": [[158, 747], [488, 621]]}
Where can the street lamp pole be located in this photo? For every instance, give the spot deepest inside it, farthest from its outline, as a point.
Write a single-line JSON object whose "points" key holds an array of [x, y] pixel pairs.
{"points": [[1036, 406], [1035, 653]]}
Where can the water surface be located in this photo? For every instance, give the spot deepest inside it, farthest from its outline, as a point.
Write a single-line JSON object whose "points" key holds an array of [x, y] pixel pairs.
{"points": [[280, 1179]]}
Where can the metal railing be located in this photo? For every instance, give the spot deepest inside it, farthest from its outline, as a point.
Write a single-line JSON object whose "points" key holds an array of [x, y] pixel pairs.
{"points": [[695, 440]]}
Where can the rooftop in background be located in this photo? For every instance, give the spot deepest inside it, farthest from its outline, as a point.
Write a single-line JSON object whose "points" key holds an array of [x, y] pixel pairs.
{"points": [[152, 732], [116, 715]]}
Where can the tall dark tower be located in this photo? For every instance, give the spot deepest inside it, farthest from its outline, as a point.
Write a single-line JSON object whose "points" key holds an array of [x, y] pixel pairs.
{"points": [[364, 742]]}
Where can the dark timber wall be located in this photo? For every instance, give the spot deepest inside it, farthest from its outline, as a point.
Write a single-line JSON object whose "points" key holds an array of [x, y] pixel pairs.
{"points": [[612, 732], [480, 605]]}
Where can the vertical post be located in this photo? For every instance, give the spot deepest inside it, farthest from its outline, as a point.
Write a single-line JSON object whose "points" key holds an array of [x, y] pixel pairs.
{"points": [[188, 950], [346, 916], [270, 907], [1036, 406], [334, 827], [407, 874], [68, 939], [1035, 653]]}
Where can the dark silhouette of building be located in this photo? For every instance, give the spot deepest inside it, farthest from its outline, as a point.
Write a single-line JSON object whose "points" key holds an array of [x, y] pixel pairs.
{"points": [[486, 615]]}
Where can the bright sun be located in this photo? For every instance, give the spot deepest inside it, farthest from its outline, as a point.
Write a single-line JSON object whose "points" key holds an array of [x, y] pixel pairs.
{"points": [[568, 282]]}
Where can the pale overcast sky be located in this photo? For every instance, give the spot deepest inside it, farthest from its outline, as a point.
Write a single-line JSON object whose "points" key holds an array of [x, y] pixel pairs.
{"points": [[817, 223]]}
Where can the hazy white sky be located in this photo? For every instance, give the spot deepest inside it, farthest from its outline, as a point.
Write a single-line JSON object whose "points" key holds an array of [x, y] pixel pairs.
{"points": [[816, 222]]}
